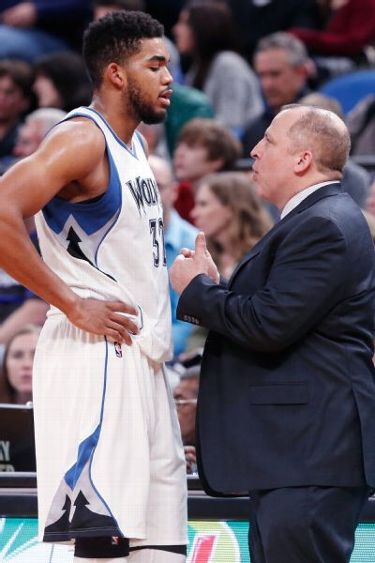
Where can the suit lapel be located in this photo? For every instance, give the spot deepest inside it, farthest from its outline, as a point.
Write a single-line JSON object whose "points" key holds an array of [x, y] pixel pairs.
{"points": [[321, 193], [326, 191]]}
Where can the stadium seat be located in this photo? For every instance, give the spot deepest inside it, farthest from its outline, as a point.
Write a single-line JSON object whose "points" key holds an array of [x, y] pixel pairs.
{"points": [[348, 89]]}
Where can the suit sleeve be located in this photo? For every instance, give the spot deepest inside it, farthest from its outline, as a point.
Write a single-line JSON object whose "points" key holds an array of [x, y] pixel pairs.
{"points": [[305, 281]]}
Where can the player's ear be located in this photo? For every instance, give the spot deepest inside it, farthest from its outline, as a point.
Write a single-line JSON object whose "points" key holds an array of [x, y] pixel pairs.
{"points": [[115, 75]]}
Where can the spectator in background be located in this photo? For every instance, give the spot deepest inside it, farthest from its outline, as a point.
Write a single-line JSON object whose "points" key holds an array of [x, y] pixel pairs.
{"points": [[31, 29], [257, 18], [349, 28], [232, 217], [204, 146], [166, 11], [356, 180], [185, 397], [62, 81], [283, 68], [17, 366], [16, 98], [187, 103], [206, 33], [36, 126], [178, 234]]}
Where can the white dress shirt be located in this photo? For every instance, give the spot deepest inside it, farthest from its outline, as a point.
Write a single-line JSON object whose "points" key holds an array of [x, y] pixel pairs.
{"points": [[303, 194]]}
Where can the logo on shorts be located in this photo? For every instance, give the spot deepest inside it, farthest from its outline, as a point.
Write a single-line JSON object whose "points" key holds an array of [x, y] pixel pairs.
{"points": [[118, 349]]}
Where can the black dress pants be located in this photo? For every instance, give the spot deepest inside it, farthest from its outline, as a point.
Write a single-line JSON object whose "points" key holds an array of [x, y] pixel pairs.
{"points": [[304, 524]]}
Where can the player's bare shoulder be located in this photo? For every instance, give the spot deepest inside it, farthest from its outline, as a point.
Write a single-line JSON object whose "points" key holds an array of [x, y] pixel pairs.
{"points": [[75, 151], [79, 140]]}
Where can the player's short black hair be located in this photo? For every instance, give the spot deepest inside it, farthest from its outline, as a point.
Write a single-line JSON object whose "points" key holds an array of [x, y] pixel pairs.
{"points": [[115, 37]]}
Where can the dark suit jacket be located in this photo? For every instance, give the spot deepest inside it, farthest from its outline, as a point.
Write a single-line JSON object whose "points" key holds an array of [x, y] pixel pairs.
{"points": [[287, 395]]}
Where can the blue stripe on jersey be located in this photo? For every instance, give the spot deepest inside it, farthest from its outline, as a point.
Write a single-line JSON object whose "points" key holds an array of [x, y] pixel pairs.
{"points": [[85, 451], [90, 215], [87, 447]]}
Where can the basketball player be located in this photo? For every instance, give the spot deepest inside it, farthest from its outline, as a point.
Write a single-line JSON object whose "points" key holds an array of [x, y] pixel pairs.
{"points": [[111, 470]]}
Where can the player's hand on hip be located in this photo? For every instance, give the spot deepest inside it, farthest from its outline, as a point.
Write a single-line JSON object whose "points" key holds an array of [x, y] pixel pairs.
{"points": [[189, 264], [106, 318]]}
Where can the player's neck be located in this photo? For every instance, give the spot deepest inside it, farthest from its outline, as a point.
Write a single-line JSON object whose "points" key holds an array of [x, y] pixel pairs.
{"points": [[121, 122]]}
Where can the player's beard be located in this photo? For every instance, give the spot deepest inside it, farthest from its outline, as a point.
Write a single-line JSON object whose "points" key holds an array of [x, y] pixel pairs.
{"points": [[142, 108]]}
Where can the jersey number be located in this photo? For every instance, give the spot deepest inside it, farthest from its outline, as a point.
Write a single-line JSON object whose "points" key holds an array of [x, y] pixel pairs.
{"points": [[157, 233]]}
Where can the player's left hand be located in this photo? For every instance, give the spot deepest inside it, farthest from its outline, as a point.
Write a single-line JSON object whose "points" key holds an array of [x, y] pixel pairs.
{"points": [[189, 264], [114, 319]]}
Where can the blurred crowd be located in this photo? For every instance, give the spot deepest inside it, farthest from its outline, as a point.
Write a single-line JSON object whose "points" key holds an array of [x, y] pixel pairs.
{"points": [[235, 65]]}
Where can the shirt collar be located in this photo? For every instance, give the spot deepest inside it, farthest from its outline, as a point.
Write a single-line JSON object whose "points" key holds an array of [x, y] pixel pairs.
{"points": [[303, 194]]}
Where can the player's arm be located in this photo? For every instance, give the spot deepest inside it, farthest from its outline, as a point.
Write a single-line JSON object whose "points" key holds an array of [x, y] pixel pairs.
{"points": [[70, 154]]}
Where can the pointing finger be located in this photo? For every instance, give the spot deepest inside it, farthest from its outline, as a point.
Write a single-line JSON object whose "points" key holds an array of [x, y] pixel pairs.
{"points": [[200, 245]]}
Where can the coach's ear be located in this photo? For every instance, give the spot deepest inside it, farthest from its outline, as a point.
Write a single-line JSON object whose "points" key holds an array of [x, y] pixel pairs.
{"points": [[115, 75], [303, 162]]}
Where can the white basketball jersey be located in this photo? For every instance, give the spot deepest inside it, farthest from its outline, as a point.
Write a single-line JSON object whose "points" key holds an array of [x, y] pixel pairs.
{"points": [[112, 247]]}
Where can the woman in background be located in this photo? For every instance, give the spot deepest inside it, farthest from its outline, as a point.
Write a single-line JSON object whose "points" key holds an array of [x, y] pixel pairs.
{"points": [[232, 217], [206, 33], [16, 376]]}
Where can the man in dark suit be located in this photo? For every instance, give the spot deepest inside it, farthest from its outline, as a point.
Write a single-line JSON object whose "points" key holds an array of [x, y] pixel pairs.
{"points": [[287, 395]]}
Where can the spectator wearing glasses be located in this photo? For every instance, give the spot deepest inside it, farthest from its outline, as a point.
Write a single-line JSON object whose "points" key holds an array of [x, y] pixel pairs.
{"points": [[185, 398]]}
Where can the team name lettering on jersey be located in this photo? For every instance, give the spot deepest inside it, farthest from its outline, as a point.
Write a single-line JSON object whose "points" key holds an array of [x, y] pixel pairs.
{"points": [[144, 191]]}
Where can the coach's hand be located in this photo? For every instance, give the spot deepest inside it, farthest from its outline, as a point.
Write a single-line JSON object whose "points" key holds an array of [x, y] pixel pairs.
{"points": [[106, 318], [189, 264]]}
